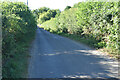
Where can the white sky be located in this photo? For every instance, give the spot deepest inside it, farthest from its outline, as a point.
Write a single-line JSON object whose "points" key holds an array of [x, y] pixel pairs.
{"points": [[53, 4]]}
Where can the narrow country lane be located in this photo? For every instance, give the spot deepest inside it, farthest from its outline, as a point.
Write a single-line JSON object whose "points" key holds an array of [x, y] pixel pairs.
{"points": [[53, 56]]}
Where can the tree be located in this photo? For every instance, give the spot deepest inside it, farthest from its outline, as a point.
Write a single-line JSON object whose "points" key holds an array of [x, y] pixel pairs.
{"points": [[48, 15], [68, 7], [37, 12]]}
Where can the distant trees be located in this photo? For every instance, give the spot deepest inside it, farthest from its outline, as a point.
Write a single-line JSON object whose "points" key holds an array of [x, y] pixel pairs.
{"points": [[40, 10], [43, 14]]}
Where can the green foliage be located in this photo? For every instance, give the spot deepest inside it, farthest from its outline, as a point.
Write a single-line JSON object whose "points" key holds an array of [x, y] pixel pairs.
{"points": [[48, 15], [63, 22], [101, 22], [18, 28], [37, 12], [98, 21], [43, 14], [50, 25], [68, 7]]}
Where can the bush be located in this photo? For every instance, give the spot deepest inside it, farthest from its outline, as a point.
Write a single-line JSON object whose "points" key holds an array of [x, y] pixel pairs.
{"points": [[18, 28], [98, 21]]}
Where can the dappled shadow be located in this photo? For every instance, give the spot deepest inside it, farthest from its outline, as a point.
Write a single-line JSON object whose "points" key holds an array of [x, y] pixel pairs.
{"points": [[53, 56], [93, 65]]}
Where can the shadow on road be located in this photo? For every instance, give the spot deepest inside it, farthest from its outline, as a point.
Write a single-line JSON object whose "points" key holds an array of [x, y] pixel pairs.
{"points": [[53, 56]]}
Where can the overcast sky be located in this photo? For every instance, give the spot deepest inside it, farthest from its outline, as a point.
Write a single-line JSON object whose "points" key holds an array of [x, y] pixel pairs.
{"points": [[53, 4]]}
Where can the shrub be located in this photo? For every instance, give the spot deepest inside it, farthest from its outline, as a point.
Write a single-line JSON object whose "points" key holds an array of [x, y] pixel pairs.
{"points": [[98, 21], [17, 23]]}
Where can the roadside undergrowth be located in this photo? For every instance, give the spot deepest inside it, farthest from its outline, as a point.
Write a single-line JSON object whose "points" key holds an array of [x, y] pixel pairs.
{"points": [[91, 43], [93, 23], [16, 66], [18, 30]]}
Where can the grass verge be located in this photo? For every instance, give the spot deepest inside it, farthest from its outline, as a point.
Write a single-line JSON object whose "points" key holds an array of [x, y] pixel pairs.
{"points": [[91, 43], [16, 65], [88, 41]]}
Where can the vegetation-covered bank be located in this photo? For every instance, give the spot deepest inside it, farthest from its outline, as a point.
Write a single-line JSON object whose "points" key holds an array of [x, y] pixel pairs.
{"points": [[95, 22], [18, 30]]}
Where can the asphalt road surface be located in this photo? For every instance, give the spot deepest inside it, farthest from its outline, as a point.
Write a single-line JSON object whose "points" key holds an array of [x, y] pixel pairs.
{"points": [[53, 56]]}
